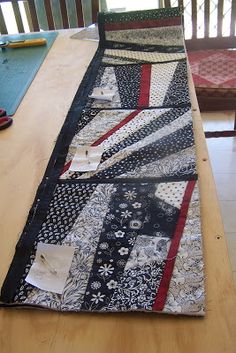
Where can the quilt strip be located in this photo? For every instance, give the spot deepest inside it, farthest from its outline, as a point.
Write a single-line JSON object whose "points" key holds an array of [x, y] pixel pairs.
{"points": [[135, 221], [137, 143]]}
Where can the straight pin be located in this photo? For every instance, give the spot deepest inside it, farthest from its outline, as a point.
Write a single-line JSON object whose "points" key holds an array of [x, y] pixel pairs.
{"points": [[86, 154], [45, 262]]}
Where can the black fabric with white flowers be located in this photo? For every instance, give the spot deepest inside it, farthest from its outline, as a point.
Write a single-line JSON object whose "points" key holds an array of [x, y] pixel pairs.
{"points": [[134, 211]]}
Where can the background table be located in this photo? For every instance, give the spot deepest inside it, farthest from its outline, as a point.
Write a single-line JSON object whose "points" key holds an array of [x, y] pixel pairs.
{"points": [[25, 149]]}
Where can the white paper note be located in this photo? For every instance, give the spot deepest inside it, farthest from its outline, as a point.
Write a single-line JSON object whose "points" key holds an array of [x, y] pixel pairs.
{"points": [[100, 93], [51, 267], [86, 159]]}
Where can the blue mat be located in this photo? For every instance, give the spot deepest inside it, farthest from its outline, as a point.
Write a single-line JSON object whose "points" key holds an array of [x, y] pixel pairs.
{"points": [[18, 68]]}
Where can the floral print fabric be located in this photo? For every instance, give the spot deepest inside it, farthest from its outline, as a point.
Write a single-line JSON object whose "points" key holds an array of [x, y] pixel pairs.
{"points": [[122, 235]]}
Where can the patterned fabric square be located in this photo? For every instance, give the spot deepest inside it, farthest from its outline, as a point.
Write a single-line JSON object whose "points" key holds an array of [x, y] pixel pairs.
{"points": [[135, 220], [125, 235], [145, 85], [154, 29], [124, 57], [137, 143]]}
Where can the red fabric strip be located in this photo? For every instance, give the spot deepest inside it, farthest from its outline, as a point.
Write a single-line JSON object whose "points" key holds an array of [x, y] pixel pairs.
{"points": [[115, 128], [107, 134], [168, 270], [66, 167], [143, 24], [145, 85]]}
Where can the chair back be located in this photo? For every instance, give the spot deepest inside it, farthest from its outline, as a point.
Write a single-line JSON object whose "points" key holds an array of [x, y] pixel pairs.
{"points": [[208, 24], [49, 14]]}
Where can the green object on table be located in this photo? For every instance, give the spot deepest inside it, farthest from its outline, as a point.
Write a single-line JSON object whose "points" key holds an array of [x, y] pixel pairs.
{"points": [[18, 68]]}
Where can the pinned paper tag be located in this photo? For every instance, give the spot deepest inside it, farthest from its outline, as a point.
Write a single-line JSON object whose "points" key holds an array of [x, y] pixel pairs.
{"points": [[86, 158], [100, 93], [51, 267]]}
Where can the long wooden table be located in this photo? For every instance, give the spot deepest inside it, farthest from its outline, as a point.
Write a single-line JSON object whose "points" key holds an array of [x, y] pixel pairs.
{"points": [[25, 149]]}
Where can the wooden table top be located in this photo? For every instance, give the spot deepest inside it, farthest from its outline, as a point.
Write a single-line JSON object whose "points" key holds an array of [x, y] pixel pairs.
{"points": [[25, 149]]}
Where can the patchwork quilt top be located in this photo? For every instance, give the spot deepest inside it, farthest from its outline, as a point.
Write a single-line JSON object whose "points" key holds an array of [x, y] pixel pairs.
{"points": [[135, 220]]}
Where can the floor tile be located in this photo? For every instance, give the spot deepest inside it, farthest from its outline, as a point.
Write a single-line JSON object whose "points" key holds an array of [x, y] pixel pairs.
{"points": [[222, 161], [222, 143], [228, 212], [222, 153], [214, 121], [226, 186], [231, 244]]}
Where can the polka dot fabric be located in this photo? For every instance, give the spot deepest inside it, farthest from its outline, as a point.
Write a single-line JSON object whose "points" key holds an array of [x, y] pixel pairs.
{"points": [[68, 200], [171, 193], [140, 15], [129, 78], [177, 91]]}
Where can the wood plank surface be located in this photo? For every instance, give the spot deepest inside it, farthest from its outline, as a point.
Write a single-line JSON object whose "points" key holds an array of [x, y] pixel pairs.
{"points": [[95, 10], [220, 17], [167, 3], [49, 15], [17, 14], [3, 28], [33, 14], [233, 18], [25, 149], [181, 4], [79, 12], [194, 18], [28, 16], [206, 18], [64, 14]]}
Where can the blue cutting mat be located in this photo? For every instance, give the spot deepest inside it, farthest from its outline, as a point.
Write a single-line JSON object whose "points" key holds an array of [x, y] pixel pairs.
{"points": [[18, 68]]}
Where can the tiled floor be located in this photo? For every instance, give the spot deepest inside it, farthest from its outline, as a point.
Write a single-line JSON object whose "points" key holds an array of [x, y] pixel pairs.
{"points": [[222, 153]]}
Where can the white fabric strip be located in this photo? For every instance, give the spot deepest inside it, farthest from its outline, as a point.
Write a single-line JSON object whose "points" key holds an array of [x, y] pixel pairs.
{"points": [[161, 76], [186, 291], [103, 122], [166, 130], [172, 35], [139, 121], [94, 130], [109, 81], [165, 166], [144, 56]]}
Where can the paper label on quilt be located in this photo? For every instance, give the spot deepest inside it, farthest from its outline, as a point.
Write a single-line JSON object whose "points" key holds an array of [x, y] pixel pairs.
{"points": [[102, 94], [86, 159], [51, 267]]}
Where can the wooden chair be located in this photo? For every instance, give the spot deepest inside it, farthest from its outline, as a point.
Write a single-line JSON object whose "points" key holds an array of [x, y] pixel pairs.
{"points": [[32, 14]]}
